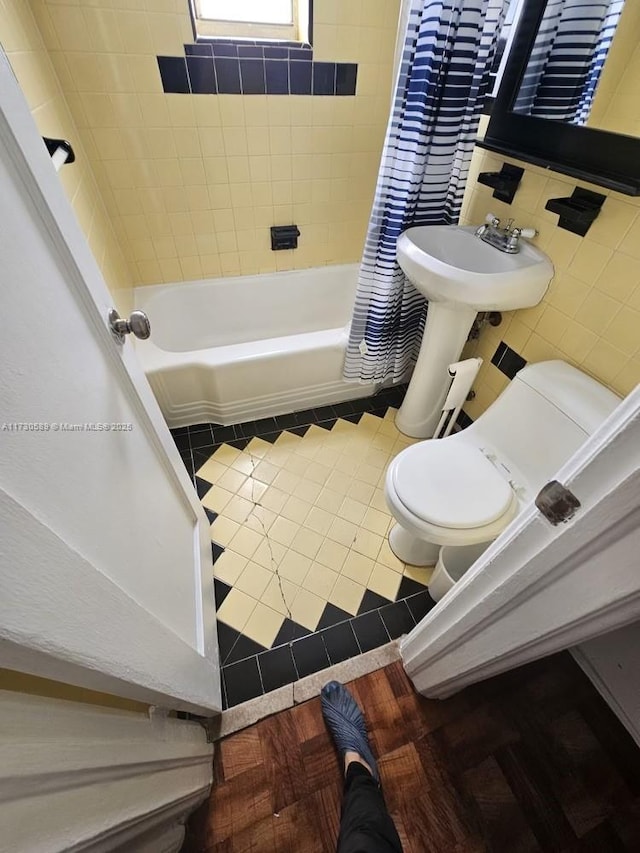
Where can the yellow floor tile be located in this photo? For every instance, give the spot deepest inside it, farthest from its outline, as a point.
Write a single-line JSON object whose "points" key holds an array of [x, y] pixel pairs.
{"points": [[343, 532], [319, 520], [286, 482], [357, 567], [253, 580], [308, 491], [274, 499], [211, 471], [317, 473], [347, 595], [389, 559], [261, 519], [279, 456], [288, 440], [422, 574], [258, 447], [338, 482], [216, 499], [347, 465], [368, 422], [376, 458], [279, 595], [295, 510], [361, 492], [231, 480], [229, 566], [246, 541], [307, 609], [327, 500], [307, 542], [244, 463], [236, 609], [378, 501], [352, 510], [253, 490], [283, 530], [223, 530], [265, 472], [227, 455], [296, 465], [367, 543], [269, 554], [263, 625], [238, 509], [366, 473], [376, 521], [384, 581], [332, 555], [320, 580], [294, 567]]}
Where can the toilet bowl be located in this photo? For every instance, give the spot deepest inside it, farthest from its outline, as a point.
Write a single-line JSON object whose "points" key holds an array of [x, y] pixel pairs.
{"points": [[465, 489]]}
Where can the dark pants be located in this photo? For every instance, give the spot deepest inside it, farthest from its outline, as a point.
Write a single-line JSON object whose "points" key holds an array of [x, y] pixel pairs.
{"points": [[365, 825]]}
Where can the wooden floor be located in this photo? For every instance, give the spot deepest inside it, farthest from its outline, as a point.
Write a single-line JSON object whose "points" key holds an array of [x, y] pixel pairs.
{"points": [[532, 760]]}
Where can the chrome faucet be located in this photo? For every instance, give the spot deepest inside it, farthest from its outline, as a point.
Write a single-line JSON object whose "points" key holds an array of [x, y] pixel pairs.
{"points": [[507, 238]]}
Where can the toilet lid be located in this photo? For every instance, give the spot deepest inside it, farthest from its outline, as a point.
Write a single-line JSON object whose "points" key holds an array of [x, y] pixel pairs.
{"points": [[450, 484]]}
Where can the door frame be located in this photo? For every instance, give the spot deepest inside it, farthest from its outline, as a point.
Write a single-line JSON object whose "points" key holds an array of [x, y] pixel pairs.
{"points": [[541, 588], [25, 647]]}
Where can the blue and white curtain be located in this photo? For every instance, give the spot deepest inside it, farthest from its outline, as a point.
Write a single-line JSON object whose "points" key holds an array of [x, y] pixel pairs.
{"points": [[567, 59], [442, 79]]}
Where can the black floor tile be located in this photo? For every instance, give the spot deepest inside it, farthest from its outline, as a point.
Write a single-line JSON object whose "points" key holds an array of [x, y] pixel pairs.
{"points": [[202, 438], [221, 591], [362, 405], [211, 515], [354, 418], [187, 461], [328, 425], [342, 409], [308, 416], [265, 426], [286, 421], [397, 619], [289, 632], [202, 456], [310, 655], [370, 631], [239, 443], [182, 441], [324, 413], [420, 605], [222, 434], [299, 430], [379, 411], [242, 681], [202, 487], [332, 615], [409, 587], [371, 601], [244, 647], [227, 638], [216, 551], [277, 668], [271, 437], [340, 642]]}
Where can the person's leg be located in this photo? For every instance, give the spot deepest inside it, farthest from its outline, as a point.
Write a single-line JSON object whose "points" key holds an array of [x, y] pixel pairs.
{"points": [[366, 825]]}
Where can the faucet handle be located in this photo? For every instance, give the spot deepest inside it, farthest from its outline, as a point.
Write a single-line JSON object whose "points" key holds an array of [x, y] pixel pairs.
{"points": [[528, 233], [492, 219]]}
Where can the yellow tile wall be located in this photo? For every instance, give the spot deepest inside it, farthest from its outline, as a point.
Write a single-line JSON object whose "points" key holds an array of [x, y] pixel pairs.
{"points": [[193, 182], [590, 315], [23, 43]]}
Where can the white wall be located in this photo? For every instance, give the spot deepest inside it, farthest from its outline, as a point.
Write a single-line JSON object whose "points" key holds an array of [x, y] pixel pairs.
{"points": [[612, 662]]}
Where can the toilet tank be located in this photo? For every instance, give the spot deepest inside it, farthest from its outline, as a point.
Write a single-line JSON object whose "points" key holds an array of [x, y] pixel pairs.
{"points": [[542, 418]]}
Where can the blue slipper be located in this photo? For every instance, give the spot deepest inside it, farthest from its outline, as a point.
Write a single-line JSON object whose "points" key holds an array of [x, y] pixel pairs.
{"points": [[345, 721]]}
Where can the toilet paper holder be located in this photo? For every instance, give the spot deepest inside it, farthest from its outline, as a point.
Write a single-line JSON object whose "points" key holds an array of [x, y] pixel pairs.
{"points": [[464, 374]]}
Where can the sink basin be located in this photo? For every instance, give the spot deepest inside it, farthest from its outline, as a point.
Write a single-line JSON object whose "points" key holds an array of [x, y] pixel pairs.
{"points": [[460, 275], [450, 264]]}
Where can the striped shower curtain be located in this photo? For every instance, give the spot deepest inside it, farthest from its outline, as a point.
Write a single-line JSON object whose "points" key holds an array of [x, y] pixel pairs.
{"points": [[441, 85], [567, 59]]}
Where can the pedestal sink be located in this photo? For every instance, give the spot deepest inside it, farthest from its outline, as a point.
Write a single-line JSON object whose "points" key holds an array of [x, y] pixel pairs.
{"points": [[460, 275]]}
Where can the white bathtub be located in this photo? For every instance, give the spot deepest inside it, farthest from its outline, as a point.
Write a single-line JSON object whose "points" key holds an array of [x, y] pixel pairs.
{"points": [[229, 350]]}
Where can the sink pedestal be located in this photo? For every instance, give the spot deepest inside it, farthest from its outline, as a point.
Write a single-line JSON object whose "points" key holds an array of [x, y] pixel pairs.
{"points": [[445, 334]]}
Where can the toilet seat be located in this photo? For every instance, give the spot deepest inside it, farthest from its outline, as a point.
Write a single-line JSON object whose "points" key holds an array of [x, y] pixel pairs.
{"points": [[450, 485]]}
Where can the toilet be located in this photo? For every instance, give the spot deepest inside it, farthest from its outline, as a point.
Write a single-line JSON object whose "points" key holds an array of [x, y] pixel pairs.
{"points": [[464, 490]]}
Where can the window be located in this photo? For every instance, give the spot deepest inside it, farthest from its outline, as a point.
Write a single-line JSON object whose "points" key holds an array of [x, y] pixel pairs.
{"points": [[280, 20]]}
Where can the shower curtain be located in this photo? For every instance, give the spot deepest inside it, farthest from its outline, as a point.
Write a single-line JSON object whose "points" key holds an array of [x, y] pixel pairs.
{"points": [[441, 84]]}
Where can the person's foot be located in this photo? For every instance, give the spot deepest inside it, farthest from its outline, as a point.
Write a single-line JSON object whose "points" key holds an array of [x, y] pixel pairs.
{"points": [[345, 721]]}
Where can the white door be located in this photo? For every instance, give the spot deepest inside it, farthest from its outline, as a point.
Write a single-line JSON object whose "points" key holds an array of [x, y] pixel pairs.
{"points": [[542, 587], [106, 576]]}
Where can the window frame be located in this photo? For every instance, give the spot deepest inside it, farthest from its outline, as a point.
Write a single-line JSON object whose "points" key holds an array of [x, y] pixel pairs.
{"points": [[250, 33]]}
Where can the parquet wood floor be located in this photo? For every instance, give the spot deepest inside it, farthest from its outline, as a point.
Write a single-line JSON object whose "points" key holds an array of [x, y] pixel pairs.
{"points": [[533, 760]]}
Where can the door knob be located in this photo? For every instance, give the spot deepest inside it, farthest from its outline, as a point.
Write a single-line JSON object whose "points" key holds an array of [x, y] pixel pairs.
{"points": [[138, 324]]}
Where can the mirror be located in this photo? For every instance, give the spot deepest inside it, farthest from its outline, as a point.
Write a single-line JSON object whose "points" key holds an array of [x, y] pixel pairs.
{"points": [[569, 94], [584, 66]]}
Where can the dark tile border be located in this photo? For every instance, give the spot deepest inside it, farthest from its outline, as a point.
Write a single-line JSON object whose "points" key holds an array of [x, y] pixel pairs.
{"points": [[507, 360]]}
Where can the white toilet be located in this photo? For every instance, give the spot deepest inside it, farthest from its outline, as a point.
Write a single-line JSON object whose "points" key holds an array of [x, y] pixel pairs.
{"points": [[464, 489]]}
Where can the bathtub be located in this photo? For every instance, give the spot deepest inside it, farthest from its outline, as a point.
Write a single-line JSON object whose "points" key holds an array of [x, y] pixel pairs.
{"points": [[229, 350]]}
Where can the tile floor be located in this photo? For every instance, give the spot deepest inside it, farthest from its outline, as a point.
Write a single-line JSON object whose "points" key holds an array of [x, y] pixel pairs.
{"points": [[304, 576]]}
